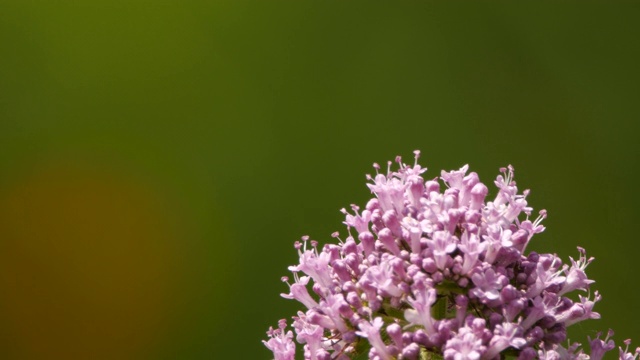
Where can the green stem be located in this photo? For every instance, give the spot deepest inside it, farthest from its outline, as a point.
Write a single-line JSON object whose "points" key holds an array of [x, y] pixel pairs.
{"points": [[427, 355]]}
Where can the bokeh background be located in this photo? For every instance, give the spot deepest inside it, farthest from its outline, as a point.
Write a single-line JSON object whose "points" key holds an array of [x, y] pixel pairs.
{"points": [[159, 158]]}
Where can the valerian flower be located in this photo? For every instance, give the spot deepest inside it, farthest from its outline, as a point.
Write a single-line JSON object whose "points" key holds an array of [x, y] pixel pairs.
{"points": [[426, 273]]}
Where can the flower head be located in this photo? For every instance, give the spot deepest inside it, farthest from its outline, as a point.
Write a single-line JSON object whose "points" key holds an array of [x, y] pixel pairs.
{"points": [[443, 272]]}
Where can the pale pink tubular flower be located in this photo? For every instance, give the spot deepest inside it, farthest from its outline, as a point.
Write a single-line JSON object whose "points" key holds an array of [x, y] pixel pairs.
{"points": [[281, 342]]}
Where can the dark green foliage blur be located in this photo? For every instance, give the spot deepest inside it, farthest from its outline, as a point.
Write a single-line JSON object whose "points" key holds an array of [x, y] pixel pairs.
{"points": [[159, 158]]}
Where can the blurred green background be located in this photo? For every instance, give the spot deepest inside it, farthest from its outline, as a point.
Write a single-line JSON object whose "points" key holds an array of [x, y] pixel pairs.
{"points": [[159, 158]]}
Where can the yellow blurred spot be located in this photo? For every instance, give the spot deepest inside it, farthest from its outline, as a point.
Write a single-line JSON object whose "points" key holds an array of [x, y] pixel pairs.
{"points": [[85, 267]]}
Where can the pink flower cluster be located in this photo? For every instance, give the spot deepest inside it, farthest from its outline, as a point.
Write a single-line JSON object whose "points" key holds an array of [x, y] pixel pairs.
{"points": [[428, 273]]}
